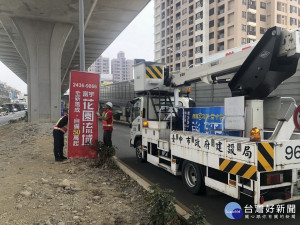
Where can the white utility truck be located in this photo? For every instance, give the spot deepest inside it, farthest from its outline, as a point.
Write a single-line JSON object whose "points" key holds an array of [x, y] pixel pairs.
{"points": [[246, 147]]}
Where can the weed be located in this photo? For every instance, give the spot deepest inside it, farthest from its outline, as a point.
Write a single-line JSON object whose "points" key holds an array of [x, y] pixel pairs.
{"points": [[162, 207], [104, 152], [197, 216]]}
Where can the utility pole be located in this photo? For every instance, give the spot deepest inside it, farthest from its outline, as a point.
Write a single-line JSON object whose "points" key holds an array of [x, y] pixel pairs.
{"points": [[81, 35]]}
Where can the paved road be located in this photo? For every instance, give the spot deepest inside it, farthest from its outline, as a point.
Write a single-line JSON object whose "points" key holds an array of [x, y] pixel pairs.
{"points": [[213, 203], [7, 118]]}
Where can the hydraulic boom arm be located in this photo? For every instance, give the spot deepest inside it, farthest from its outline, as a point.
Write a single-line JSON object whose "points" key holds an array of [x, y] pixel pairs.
{"points": [[252, 72]]}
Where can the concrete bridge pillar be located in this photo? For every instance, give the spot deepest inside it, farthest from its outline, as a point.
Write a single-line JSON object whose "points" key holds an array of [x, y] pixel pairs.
{"points": [[44, 42]]}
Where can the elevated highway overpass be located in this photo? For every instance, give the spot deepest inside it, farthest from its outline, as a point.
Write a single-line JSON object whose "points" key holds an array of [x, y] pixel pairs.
{"points": [[39, 42]]}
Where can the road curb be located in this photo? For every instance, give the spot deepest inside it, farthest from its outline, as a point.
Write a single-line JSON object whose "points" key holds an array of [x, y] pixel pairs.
{"points": [[145, 184]]}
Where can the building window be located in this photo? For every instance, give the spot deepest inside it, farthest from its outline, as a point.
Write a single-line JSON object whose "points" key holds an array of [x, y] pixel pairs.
{"points": [[251, 30], [183, 53], [211, 47], [293, 21], [199, 3], [244, 14], [251, 17], [191, 20], [178, 16], [191, 53], [191, 42], [162, 52], [211, 35], [184, 22], [199, 49], [199, 15], [212, 11], [198, 60], [262, 30], [199, 26], [221, 46], [211, 1], [221, 34], [211, 23], [263, 18], [184, 43], [199, 38], [163, 23], [184, 1], [221, 22], [178, 6], [243, 27], [191, 9], [293, 9], [184, 32], [184, 11], [183, 64], [177, 36], [244, 2], [243, 41], [221, 9], [263, 5]]}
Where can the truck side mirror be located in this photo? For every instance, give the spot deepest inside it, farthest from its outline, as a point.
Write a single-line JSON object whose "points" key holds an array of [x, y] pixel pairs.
{"points": [[144, 113]]}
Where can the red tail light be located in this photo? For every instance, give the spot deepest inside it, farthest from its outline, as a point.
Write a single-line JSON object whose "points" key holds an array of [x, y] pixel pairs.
{"points": [[287, 196], [262, 199]]}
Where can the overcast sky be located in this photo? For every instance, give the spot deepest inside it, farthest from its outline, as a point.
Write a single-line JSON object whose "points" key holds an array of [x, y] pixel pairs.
{"points": [[137, 41]]}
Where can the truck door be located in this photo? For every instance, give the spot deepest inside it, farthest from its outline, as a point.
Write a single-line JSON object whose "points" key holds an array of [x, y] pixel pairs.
{"points": [[136, 119]]}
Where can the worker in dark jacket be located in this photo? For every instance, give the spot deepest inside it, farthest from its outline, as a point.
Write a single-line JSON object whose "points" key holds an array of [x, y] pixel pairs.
{"points": [[58, 134]]}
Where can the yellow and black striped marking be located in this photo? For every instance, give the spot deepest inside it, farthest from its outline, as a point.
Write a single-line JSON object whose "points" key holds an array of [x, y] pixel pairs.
{"points": [[154, 72], [265, 156], [238, 168]]}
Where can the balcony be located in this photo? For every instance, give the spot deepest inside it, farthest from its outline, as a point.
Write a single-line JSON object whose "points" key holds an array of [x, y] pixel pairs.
{"points": [[252, 5], [252, 37], [251, 33], [251, 19], [252, 24]]}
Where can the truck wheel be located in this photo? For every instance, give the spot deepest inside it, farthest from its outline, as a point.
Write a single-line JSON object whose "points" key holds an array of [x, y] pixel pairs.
{"points": [[138, 151], [192, 178]]}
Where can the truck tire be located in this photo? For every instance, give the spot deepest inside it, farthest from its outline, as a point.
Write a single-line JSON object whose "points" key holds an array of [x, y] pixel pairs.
{"points": [[193, 178], [138, 151]]}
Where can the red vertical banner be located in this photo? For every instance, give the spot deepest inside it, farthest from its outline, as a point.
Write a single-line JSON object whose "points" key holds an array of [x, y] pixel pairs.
{"points": [[83, 122]]}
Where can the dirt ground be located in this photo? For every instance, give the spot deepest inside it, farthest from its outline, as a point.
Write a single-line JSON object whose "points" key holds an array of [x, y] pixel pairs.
{"points": [[37, 190]]}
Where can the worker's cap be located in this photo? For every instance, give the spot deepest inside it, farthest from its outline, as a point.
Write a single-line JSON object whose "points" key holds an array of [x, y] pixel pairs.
{"points": [[109, 104]]}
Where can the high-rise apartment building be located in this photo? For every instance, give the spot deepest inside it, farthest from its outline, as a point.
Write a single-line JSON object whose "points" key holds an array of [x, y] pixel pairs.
{"points": [[188, 30], [101, 66], [121, 68], [4, 93]]}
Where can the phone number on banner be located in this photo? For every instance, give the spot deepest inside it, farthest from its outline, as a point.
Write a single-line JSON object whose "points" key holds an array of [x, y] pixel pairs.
{"points": [[83, 85]]}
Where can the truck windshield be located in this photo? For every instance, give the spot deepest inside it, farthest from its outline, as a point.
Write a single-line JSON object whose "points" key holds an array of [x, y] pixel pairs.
{"points": [[136, 109]]}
